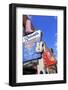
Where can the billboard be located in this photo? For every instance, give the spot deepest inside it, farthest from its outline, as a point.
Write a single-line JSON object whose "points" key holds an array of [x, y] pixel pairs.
{"points": [[29, 46]]}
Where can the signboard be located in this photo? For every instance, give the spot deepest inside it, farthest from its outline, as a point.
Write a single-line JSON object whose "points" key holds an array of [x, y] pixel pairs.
{"points": [[48, 58], [29, 46]]}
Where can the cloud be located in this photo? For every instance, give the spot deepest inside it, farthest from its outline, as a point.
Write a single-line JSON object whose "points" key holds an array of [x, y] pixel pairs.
{"points": [[55, 50], [29, 16]]}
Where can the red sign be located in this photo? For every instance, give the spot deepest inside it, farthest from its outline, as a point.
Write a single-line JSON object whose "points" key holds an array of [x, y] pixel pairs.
{"points": [[48, 58]]}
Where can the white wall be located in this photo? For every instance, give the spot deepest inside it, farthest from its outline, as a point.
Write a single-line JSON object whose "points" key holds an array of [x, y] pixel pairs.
{"points": [[4, 44]]}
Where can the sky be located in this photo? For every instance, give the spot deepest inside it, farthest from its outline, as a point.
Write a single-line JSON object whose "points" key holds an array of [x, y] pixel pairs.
{"points": [[48, 26]]}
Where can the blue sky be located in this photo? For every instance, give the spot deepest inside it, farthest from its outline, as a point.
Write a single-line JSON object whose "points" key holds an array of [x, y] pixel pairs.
{"points": [[48, 26]]}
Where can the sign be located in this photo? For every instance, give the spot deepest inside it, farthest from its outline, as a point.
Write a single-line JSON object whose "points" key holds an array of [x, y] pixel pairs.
{"points": [[29, 46], [48, 58]]}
